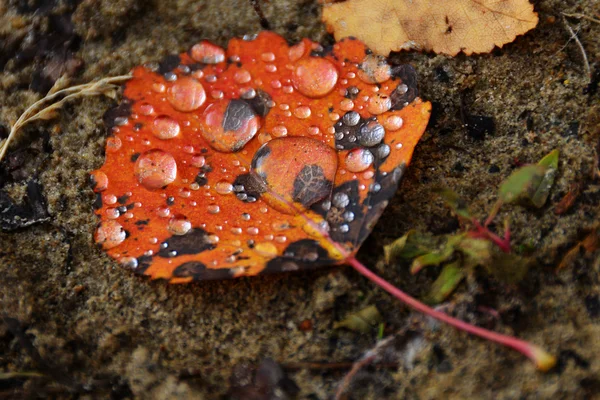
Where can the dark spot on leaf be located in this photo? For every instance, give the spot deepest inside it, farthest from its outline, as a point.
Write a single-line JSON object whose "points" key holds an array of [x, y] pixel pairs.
{"points": [[248, 187], [237, 113], [123, 199], [310, 186], [407, 90], [198, 271], [193, 242], [302, 254], [169, 63], [260, 103], [97, 204]]}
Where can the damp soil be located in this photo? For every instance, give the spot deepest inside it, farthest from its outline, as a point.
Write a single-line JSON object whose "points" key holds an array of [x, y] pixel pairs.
{"points": [[88, 328]]}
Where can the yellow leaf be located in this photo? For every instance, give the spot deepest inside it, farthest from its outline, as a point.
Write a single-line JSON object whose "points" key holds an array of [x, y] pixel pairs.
{"points": [[449, 26]]}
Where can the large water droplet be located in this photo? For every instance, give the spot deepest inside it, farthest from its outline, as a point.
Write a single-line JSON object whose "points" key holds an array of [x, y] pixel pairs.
{"points": [[393, 122], [99, 181], [359, 159], [296, 170], [207, 53], [314, 76], [165, 127], [229, 125], [371, 133], [186, 94], [155, 169], [374, 69], [179, 225], [242, 76], [378, 104], [110, 234]]}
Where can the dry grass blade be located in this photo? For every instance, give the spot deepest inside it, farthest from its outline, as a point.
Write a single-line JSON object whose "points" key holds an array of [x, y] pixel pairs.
{"points": [[46, 107], [586, 63]]}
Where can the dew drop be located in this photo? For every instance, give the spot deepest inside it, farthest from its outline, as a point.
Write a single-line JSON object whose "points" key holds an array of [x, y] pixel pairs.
{"points": [[212, 239], [348, 216], [216, 94], [382, 151], [279, 131], [297, 51], [242, 76], [146, 109], [371, 133], [159, 87], [378, 104], [128, 262], [393, 122], [340, 200], [187, 94], [252, 231], [109, 234], [280, 239], [163, 212], [236, 230], [346, 105], [267, 57], [179, 226], [359, 159], [314, 76], [314, 130], [165, 127], [374, 69], [213, 209], [99, 181], [351, 118], [198, 161], [155, 169], [113, 144], [302, 112], [229, 124], [112, 213], [207, 53], [224, 187], [109, 199]]}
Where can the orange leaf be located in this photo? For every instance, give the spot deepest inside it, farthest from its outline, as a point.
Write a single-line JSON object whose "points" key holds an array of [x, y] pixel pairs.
{"points": [[448, 27], [258, 158]]}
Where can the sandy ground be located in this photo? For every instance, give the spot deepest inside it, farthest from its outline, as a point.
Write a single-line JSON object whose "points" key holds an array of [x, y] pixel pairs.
{"points": [[93, 330]]}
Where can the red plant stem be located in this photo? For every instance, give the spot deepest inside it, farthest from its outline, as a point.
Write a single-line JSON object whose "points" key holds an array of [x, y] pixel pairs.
{"points": [[543, 360], [483, 231]]}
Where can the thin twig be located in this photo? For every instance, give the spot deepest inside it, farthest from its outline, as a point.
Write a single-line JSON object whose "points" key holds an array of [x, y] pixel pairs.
{"points": [[330, 366], [583, 53], [365, 360], [36, 111], [581, 16]]}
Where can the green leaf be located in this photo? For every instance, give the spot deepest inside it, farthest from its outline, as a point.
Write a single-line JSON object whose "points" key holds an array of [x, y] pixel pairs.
{"points": [[409, 246], [550, 162], [522, 183], [361, 321], [448, 280], [437, 256], [476, 251], [455, 202]]}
